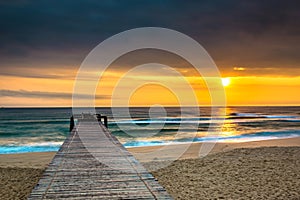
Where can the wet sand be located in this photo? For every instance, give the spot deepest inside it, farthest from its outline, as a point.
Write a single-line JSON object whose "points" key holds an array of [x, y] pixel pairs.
{"points": [[252, 170]]}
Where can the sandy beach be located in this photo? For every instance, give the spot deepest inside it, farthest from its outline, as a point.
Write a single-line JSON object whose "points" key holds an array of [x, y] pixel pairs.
{"points": [[267, 169]]}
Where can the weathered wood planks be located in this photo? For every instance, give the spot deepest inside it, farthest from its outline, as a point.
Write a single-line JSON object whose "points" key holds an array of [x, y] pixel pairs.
{"points": [[93, 164]]}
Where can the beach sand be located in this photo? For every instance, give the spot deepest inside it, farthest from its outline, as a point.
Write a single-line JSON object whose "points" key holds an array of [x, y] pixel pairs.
{"points": [[267, 169]]}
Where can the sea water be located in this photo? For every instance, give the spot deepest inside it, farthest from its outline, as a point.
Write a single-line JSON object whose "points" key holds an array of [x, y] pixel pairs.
{"points": [[44, 129]]}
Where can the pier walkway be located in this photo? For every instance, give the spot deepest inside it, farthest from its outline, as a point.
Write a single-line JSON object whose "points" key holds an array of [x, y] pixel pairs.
{"points": [[93, 164]]}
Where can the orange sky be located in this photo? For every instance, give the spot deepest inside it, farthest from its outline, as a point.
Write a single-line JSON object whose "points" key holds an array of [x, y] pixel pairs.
{"points": [[242, 90], [146, 87]]}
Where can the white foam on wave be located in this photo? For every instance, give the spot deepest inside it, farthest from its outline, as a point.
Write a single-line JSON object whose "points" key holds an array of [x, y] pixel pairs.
{"points": [[30, 147]]}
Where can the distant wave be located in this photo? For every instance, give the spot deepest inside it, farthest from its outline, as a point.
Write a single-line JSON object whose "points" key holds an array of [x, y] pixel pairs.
{"points": [[174, 120], [236, 138], [177, 120], [252, 115], [46, 121]]}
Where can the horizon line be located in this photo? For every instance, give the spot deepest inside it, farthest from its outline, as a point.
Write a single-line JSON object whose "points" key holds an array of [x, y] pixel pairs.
{"points": [[147, 106]]}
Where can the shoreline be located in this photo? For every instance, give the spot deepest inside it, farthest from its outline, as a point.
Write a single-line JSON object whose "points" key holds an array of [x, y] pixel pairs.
{"points": [[170, 152], [154, 153]]}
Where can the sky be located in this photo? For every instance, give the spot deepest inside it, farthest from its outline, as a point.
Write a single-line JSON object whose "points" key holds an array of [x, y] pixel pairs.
{"points": [[255, 44]]}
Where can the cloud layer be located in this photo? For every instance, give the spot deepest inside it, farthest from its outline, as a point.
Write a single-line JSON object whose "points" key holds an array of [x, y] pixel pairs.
{"points": [[47, 95], [49, 34]]}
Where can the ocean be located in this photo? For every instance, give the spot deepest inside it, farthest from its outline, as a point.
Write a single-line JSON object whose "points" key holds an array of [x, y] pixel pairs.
{"points": [[44, 129]]}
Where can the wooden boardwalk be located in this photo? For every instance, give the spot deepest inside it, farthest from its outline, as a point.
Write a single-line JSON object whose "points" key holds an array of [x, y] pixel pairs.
{"points": [[93, 164]]}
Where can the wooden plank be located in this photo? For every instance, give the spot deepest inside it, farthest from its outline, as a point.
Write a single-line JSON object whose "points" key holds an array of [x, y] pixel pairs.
{"points": [[93, 164]]}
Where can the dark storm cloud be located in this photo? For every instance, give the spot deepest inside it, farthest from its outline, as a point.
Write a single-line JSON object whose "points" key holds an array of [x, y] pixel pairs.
{"points": [[235, 32], [40, 94]]}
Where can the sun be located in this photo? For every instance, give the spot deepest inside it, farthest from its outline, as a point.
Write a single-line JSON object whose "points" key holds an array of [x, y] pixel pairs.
{"points": [[225, 81]]}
